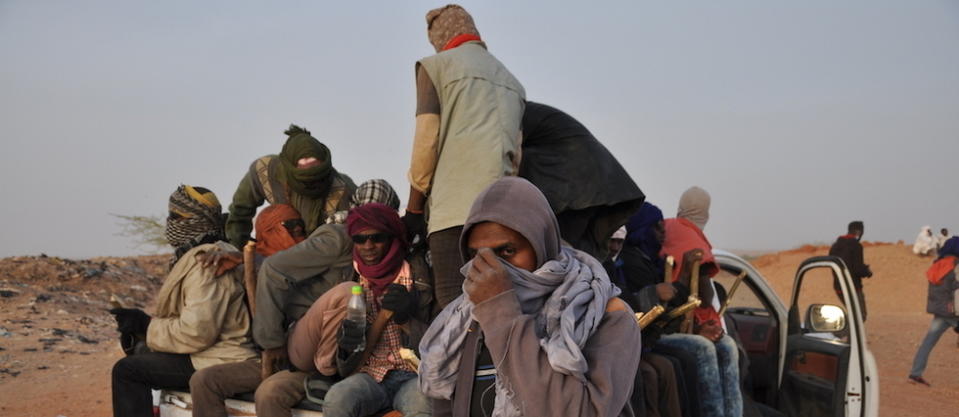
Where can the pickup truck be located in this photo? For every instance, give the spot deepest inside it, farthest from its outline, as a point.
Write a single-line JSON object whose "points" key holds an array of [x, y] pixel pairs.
{"points": [[817, 366]]}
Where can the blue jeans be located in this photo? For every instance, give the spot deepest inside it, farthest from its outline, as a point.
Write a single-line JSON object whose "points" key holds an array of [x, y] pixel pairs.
{"points": [[938, 326], [360, 395], [717, 369]]}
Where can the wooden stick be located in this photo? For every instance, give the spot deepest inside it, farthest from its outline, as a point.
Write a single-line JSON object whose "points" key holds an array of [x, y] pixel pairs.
{"points": [[249, 274], [729, 295], [687, 326], [668, 275], [690, 305], [644, 320]]}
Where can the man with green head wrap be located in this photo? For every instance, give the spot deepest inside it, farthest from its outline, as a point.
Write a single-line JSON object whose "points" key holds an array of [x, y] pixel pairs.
{"points": [[302, 175]]}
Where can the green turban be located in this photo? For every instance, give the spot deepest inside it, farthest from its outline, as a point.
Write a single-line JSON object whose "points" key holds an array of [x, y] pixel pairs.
{"points": [[313, 181]]}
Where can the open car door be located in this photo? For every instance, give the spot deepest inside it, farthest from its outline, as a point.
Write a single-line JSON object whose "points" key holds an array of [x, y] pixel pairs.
{"points": [[827, 369]]}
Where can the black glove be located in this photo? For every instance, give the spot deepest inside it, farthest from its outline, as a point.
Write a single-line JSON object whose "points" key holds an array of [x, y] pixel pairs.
{"points": [[131, 320], [415, 226], [868, 272], [351, 337], [400, 301]]}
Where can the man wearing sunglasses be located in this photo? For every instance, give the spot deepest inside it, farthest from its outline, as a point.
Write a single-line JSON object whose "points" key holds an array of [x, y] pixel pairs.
{"points": [[376, 377]]}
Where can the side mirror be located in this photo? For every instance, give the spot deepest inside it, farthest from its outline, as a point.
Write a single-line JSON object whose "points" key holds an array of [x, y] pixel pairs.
{"points": [[826, 318]]}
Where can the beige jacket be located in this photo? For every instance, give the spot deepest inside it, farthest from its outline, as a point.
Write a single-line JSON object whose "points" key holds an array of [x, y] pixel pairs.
{"points": [[202, 315], [479, 137]]}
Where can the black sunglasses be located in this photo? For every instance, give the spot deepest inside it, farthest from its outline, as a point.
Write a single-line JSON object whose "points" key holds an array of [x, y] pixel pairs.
{"points": [[375, 237], [293, 223]]}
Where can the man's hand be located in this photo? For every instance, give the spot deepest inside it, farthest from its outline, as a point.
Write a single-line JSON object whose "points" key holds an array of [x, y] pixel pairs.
{"points": [[131, 320], [272, 360], [691, 257], [223, 260], [351, 338], [400, 301], [665, 291], [711, 330], [415, 226], [486, 278]]}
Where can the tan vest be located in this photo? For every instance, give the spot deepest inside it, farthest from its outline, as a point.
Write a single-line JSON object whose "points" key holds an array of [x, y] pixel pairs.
{"points": [[481, 106]]}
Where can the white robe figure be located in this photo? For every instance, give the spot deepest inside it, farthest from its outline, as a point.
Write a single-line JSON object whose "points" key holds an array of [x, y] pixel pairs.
{"points": [[925, 242]]}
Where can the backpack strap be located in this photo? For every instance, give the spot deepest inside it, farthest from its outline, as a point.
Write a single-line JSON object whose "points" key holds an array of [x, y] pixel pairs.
{"points": [[264, 175]]}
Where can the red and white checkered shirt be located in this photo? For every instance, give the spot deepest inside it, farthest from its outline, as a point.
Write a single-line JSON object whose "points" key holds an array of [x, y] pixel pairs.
{"points": [[386, 354]]}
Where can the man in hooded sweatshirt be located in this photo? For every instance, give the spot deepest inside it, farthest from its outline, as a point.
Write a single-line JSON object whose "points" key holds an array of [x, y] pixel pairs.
{"points": [[201, 319], [848, 248], [469, 113], [941, 303], [302, 175], [539, 330]]}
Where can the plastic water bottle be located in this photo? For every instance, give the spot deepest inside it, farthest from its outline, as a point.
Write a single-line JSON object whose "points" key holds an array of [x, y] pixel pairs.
{"points": [[356, 309]]}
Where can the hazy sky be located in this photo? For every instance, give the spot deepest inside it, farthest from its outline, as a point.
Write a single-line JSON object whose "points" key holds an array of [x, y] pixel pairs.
{"points": [[796, 117]]}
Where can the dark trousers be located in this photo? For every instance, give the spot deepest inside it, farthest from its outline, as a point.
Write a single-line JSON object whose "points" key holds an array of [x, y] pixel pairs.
{"points": [[447, 261], [135, 375]]}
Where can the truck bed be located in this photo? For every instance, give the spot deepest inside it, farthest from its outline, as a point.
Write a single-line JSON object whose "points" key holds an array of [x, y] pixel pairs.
{"points": [[180, 404]]}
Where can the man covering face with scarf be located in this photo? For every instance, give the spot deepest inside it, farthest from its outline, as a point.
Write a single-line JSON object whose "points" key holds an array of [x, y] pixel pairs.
{"points": [[200, 319], [302, 175], [538, 331]]}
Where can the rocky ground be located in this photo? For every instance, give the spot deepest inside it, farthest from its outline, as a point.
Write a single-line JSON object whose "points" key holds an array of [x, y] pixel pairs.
{"points": [[58, 343]]}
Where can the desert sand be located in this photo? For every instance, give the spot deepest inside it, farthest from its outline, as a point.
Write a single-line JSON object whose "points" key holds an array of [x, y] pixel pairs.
{"points": [[58, 343]]}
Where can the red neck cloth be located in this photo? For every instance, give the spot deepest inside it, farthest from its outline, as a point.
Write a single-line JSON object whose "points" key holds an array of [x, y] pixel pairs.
{"points": [[383, 218], [682, 236], [271, 236], [460, 39]]}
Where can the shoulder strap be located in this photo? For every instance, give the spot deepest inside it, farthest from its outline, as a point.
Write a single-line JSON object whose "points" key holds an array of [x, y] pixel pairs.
{"points": [[337, 190], [262, 169]]}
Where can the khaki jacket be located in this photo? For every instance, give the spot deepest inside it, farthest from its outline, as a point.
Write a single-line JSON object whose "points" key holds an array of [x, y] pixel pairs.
{"points": [[481, 106], [202, 315]]}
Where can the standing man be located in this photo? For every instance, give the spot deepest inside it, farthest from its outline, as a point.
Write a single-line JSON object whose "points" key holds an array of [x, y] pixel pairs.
{"points": [[302, 175], [848, 248], [942, 238], [469, 110], [940, 303]]}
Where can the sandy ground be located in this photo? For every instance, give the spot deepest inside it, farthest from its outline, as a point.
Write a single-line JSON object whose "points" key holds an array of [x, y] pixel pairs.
{"points": [[897, 322], [57, 343]]}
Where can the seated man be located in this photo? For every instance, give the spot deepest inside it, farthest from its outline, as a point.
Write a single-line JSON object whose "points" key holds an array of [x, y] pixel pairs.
{"points": [[277, 227], [539, 330], [377, 377], [716, 353], [201, 319], [643, 270], [289, 281]]}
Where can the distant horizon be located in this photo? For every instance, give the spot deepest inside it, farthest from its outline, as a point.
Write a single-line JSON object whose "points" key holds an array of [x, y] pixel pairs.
{"points": [[796, 117], [737, 251]]}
